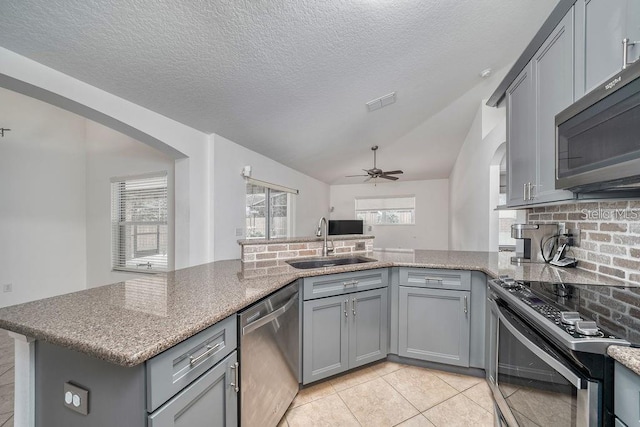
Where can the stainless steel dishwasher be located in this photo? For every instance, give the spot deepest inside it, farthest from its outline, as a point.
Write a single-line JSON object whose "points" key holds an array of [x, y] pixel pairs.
{"points": [[269, 357]]}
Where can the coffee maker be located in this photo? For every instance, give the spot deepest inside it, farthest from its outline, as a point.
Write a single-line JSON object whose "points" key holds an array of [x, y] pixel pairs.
{"points": [[532, 240]]}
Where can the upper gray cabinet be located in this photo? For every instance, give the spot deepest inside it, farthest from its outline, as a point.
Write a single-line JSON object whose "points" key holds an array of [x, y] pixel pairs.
{"points": [[603, 24], [543, 89], [553, 83]]}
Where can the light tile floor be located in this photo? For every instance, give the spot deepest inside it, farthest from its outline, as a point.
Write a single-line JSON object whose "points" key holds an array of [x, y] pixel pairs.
{"points": [[6, 379], [391, 394], [384, 394]]}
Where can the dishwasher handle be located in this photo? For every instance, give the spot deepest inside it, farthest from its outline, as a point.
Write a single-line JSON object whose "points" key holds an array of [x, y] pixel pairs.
{"points": [[271, 316]]}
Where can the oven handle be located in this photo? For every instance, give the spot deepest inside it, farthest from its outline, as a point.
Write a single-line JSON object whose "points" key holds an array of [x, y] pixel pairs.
{"points": [[548, 359]]}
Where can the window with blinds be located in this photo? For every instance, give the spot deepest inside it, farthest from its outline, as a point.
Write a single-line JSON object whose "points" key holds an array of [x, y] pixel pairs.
{"points": [[269, 210], [139, 210], [386, 210]]}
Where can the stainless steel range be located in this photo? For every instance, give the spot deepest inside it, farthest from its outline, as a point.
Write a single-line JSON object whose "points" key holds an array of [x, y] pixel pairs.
{"points": [[547, 363]]}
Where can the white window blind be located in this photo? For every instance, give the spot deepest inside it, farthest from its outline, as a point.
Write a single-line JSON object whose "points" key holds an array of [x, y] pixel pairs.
{"points": [[386, 210], [139, 210]]}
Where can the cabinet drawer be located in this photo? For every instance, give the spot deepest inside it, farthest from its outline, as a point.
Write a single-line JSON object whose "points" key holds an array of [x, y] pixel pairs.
{"points": [[438, 279], [627, 395], [171, 371], [212, 400], [341, 283]]}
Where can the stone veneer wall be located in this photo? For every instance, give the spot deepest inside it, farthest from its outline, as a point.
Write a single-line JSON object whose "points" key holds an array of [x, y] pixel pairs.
{"points": [[272, 256], [609, 234]]}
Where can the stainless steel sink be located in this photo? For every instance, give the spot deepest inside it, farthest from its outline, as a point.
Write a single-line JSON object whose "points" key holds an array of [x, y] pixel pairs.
{"points": [[331, 261]]}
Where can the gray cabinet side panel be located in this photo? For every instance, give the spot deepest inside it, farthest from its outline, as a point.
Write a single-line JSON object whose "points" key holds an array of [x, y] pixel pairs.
{"points": [[477, 311], [110, 386], [325, 339], [393, 311]]}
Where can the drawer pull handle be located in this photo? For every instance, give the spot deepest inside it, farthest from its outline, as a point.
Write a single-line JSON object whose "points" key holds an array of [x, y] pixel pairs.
{"points": [[432, 279], [466, 309], [350, 282], [194, 361], [353, 306], [236, 383], [346, 312]]}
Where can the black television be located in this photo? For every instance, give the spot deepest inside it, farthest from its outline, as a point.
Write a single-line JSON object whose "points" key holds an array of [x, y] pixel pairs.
{"points": [[345, 226]]}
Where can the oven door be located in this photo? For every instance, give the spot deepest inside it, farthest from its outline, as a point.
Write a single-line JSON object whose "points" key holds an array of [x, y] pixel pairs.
{"points": [[532, 384]]}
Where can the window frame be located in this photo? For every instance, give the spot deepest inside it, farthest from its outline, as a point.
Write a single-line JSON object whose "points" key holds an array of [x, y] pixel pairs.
{"points": [[405, 196], [268, 208], [121, 226]]}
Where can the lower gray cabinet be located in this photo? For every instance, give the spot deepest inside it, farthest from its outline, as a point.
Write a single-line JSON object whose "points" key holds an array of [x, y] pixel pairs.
{"points": [[343, 332], [626, 396], [434, 325], [211, 400]]}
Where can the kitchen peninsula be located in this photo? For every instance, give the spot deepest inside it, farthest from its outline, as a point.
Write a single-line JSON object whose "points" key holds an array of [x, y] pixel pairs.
{"points": [[126, 324]]}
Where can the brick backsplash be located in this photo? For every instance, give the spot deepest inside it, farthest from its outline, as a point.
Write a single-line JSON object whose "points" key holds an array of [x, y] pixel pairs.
{"points": [[271, 258], [609, 234]]}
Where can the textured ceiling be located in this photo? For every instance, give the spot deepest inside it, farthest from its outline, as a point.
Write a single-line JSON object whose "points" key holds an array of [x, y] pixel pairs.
{"points": [[289, 79]]}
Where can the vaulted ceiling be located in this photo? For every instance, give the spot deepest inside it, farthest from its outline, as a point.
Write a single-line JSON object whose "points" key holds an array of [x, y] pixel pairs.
{"points": [[290, 79]]}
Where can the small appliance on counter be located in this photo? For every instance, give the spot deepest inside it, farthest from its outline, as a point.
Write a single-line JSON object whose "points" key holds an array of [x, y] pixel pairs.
{"points": [[535, 242], [345, 226]]}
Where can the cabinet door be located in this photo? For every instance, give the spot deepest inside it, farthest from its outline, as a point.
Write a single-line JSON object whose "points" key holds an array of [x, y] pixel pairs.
{"points": [[603, 28], [521, 144], [211, 400], [325, 341], [434, 325], [368, 327], [553, 84]]}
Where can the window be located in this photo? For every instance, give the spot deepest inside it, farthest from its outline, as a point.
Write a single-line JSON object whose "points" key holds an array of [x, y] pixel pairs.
{"points": [[269, 210], [139, 210], [387, 210]]}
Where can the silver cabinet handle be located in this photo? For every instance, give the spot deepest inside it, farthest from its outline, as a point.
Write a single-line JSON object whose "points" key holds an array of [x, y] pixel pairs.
{"points": [[350, 282], [531, 187], [195, 361], [433, 279], [346, 312], [466, 308], [353, 306], [236, 383], [524, 192], [625, 52]]}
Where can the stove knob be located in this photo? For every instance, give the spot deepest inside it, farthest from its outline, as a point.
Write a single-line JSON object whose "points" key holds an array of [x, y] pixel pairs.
{"points": [[587, 327], [569, 317]]}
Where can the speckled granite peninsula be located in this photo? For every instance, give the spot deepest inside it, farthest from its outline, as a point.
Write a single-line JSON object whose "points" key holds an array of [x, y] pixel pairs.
{"points": [[629, 357], [128, 323]]}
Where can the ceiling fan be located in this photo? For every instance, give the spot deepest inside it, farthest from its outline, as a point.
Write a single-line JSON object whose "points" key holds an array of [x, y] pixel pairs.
{"points": [[374, 172]]}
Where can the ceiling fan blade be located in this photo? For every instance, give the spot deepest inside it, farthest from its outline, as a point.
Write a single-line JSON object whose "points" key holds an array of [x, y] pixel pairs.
{"points": [[392, 178], [396, 172], [351, 176], [368, 179]]}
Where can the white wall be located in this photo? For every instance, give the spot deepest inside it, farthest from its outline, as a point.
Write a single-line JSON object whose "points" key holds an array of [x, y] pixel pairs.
{"points": [[229, 202], [432, 212], [42, 200], [194, 242], [471, 207], [112, 154]]}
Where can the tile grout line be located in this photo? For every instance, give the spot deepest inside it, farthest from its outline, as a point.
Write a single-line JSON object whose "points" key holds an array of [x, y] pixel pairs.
{"points": [[349, 409]]}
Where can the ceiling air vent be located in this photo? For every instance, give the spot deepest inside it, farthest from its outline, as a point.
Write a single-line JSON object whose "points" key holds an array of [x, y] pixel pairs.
{"points": [[383, 101]]}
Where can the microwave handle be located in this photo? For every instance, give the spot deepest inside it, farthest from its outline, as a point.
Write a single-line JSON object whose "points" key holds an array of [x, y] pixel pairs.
{"points": [[548, 359]]}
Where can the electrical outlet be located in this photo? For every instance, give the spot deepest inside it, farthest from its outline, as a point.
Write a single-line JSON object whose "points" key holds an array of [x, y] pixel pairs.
{"points": [[562, 228], [76, 398], [7, 287]]}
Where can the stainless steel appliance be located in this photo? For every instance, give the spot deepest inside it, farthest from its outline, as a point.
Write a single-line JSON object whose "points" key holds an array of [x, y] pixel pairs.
{"points": [[534, 242], [546, 355], [269, 357], [597, 144]]}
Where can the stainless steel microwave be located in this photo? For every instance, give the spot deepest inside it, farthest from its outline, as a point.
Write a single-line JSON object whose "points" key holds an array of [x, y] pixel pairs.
{"points": [[598, 137]]}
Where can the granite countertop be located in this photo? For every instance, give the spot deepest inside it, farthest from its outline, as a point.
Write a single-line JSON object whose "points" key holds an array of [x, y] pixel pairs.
{"points": [[128, 323], [305, 239], [628, 356]]}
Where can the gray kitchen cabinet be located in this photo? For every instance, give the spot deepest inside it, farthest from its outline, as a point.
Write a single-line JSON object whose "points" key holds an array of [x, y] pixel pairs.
{"points": [[543, 89], [434, 325], [603, 24], [626, 396], [521, 143], [342, 332], [211, 400], [553, 83]]}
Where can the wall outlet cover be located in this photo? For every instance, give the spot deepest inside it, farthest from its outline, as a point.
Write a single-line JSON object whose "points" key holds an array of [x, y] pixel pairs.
{"points": [[7, 287], [76, 398]]}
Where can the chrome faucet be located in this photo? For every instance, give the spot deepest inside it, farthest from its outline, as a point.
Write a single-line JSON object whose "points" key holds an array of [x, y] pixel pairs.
{"points": [[320, 232]]}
